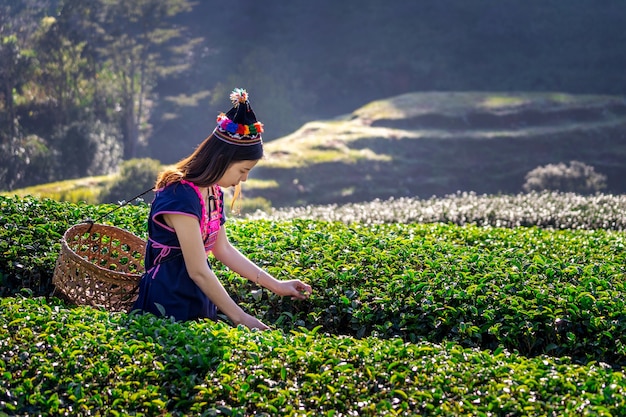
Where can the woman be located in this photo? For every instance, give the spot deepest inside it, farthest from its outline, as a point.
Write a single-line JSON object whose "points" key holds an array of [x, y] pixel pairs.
{"points": [[187, 222]]}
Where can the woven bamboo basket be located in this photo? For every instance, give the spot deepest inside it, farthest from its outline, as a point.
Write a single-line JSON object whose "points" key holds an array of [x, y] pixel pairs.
{"points": [[99, 266]]}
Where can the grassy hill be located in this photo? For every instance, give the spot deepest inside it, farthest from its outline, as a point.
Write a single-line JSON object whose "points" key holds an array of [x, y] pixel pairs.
{"points": [[425, 144], [86, 189]]}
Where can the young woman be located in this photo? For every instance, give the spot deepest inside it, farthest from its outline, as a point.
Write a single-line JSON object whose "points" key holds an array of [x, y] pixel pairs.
{"points": [[187, 222]]}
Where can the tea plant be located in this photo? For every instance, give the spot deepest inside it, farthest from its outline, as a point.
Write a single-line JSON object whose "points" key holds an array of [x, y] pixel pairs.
{"points": [[56, 360], [447, 315], [527, 289], [30, 233], [543, 209]]}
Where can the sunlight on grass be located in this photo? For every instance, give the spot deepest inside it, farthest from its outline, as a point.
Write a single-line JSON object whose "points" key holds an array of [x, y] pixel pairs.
{"points": [[502, 101], [75, 190], [392, 135], [187, 100], [562, 98], [261, 184]]}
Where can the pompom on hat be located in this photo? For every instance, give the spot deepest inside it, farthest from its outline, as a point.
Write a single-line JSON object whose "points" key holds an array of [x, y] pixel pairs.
{"points": [[239, 126]]}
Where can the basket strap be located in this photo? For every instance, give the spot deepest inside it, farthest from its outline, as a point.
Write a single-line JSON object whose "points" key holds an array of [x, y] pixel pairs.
{"points": [[116, 208]]}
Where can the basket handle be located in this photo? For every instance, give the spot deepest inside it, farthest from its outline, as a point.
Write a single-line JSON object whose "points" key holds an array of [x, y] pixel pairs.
{"points": [[92, 222]]}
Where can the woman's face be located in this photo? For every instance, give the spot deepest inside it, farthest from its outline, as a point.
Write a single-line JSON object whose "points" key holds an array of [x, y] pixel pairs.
{"points": [[236, 173]]}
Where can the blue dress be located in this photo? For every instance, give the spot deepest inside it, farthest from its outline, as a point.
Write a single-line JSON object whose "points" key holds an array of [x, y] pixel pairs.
{"points": [[166, 284]]}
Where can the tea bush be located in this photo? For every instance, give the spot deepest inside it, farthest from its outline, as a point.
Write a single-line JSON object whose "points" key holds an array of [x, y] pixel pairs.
{"points": [[30, 228], [527, 289], [30, 233], [576, 177], [451, 316], [551, 210], [56, 360]]}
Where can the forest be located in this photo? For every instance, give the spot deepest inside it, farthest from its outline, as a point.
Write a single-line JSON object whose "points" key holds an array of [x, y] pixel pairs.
{"points": [[88, 84]]}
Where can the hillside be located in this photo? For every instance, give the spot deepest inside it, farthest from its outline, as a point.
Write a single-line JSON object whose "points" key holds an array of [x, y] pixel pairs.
{"points": [[425, 144], [125, 89]]}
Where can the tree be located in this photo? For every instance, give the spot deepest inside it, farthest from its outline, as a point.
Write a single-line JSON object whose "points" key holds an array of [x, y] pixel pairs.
{"points": [[16, 65], [22, 155], [86, 148], [62, 73], [135, 177], [576, 177], [18, 20], [89, 68], [135, 34]]}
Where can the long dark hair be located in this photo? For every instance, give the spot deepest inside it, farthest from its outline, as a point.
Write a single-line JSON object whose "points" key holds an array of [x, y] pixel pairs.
{"points": [[208, 163]]}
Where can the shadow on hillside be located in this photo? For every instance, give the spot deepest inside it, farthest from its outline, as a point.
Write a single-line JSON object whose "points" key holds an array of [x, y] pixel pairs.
{"points": [[427, 167], [504, 119]]}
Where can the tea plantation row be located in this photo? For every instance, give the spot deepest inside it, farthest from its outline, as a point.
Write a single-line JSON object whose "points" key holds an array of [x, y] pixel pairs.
{"points": [[542, 209], [528, 289], [80, 361], [30, 228], [433, 291]]}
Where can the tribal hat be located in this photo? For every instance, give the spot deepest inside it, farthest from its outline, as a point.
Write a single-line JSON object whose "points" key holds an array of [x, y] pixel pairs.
{"points": [[239, 126]]}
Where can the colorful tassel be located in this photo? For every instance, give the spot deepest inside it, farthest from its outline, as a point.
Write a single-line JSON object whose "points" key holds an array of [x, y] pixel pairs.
{"points": [[239, 95]]}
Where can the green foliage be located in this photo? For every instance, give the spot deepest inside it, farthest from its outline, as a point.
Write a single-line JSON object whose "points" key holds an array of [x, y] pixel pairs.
{"points": [[79, 76], [134, 34], [30, 233], [576, 177], [55, 360], [405, 319], [87, 148], [136, 176], [14, 73], [528, 289], [550, 210], [29, 252], [25, 159]]}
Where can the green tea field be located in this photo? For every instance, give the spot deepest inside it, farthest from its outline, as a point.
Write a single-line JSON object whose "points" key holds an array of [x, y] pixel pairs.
{"points": [[466, 305]]}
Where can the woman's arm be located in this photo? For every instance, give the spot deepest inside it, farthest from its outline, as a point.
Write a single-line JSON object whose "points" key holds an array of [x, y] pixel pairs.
{"points": [[238, 262], [188, 232]]}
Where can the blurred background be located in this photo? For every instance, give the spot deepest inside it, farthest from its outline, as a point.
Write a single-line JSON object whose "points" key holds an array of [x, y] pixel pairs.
{"points": [[86, 85]]}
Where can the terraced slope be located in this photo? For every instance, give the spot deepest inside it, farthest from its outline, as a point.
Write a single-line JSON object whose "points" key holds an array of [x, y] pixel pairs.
{"points": [[425, 144]]}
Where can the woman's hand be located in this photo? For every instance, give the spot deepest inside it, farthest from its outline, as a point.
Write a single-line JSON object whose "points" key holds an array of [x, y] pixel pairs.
{"points": [[295, 288], [252, 322]]}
